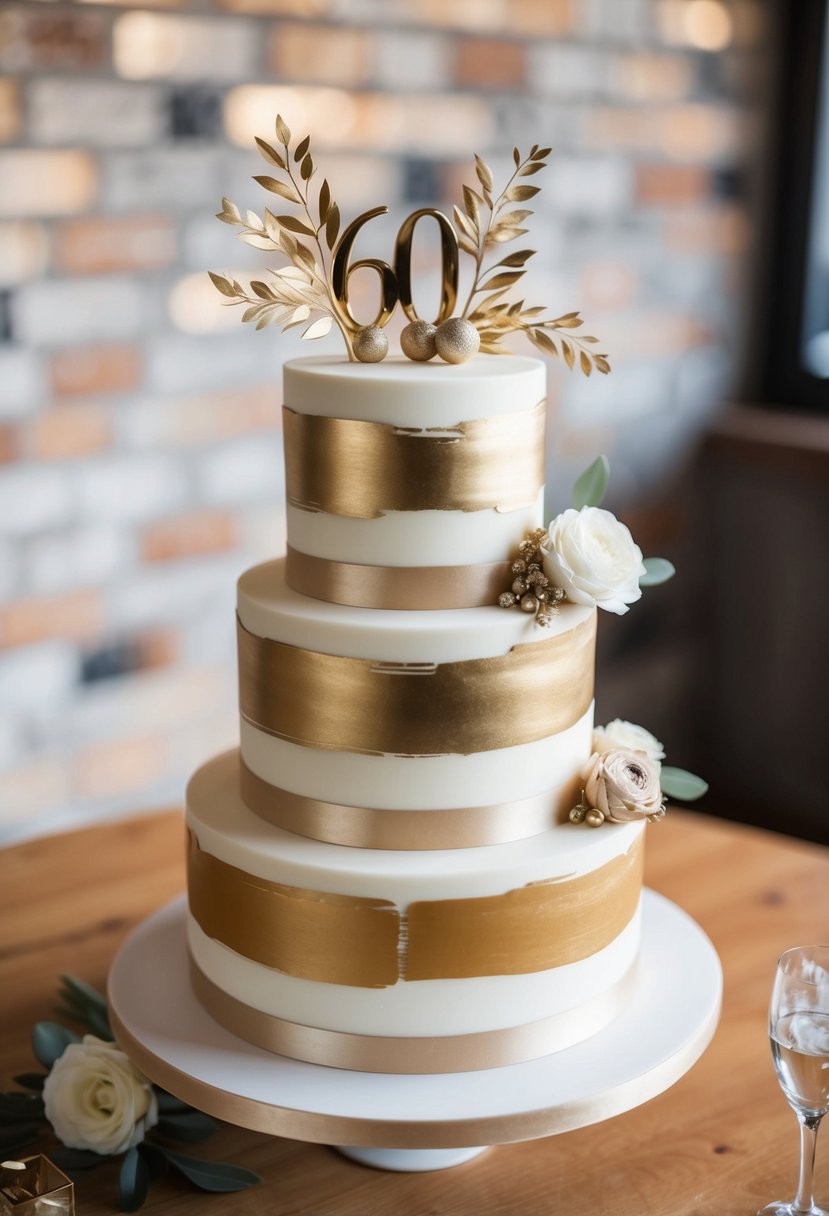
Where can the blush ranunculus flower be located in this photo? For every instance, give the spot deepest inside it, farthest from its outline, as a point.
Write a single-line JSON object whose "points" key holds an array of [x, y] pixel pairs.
{"points": [[593, 558], [96, 1099], [623, 785], [620, 735]]}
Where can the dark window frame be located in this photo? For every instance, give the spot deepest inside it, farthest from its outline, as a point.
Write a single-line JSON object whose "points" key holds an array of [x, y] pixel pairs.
{"points": [[786, 381]]}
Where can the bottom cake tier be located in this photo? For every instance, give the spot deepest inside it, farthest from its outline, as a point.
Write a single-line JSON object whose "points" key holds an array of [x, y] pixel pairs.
{"points": [[440, 961]]}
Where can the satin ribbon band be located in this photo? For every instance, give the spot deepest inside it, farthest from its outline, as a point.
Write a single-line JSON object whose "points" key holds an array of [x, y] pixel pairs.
{"points": [[396, 588], [416, 709], [369, 828], [392, 1054], [371, 943], [344, 466]]}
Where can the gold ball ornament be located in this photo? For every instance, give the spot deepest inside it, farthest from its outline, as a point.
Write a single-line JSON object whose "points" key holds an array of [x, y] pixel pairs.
{"points": [[529, 603], [594, 817], [371, 344], [417, 341], [457, 340], [577, 814]]}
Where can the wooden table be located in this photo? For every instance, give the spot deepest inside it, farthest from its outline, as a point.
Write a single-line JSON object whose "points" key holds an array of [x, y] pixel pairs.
{"points": [[720, 1143]]}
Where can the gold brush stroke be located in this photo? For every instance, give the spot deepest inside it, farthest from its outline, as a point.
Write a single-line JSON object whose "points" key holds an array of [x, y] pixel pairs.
{"points": [[474, 705], [314, 935], [407, 1055], [351, 940], [396, 588], [363, 469], [533, 928], [369, 828]]}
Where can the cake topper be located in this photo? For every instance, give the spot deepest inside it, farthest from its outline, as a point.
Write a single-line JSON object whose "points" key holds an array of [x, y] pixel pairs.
{"points": [[313, 286]]}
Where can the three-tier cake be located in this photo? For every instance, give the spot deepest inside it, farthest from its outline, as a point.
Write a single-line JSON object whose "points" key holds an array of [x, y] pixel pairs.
{"points": [[384, 876]]}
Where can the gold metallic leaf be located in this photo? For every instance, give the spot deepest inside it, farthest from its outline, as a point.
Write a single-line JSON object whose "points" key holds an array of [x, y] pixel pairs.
{"points": [[601, 364], [586, 365], [258, 240], [283, 131], [284, 189], [505, 279], [261, 289], [472, 202], [516, 156], [543, 341], [531, 168], [464, 224], [332, 226], [222, 284], [501, 235], [484, 173], [301, 148], [517, 259], [306, 257], [318, 329], [520, 194], [540, 153], [325, 200], [512, 218], [270, 153], [568, 352], [293, 224], [306, 168], [229, 213], [466, 245]]}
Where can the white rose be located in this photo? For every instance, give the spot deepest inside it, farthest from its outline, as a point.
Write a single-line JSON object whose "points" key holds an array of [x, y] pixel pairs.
{"points": [[624, 786], [96, 1099], [620, 735], [593, 558]]}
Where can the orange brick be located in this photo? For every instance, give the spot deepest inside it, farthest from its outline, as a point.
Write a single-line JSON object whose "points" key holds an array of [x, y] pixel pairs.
{"points": [[189, 535], [608, 285], [672, 185], [9, 444], [332, 55], [725, 229], [120, 766], [33, 38], [97, 246], [9, 110], [79, 371], [490, 63], [78, 615], [541, 17], [159, 648], [71, 430]]}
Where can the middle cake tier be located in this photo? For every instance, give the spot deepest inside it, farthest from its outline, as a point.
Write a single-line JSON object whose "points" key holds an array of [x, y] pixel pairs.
{"points": [[409, 730]]}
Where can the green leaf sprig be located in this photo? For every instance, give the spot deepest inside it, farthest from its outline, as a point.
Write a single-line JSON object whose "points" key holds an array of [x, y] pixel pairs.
{"points": [[23, 1115], [484, 223]]}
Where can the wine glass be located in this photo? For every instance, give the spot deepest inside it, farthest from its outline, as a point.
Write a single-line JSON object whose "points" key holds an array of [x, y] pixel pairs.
{"points": [[799, 1031]]}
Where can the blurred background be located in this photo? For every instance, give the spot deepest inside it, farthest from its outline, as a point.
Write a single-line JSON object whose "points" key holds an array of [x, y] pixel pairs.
{"points": [[685, 211]]}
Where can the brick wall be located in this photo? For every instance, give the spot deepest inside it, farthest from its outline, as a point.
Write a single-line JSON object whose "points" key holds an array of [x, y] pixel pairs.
{"points": [[140, 460]]}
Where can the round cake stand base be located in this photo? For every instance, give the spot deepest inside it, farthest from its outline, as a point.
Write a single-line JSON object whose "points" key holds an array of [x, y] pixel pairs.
{"points": [[411, 1160], [418, 1122]]}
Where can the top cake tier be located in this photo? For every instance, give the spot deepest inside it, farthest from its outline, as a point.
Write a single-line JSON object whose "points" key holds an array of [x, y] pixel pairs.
{"points": [[409, 485]]}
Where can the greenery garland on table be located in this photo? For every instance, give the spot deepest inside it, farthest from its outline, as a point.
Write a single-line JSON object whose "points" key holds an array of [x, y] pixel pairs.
{"points": [[93, 1068]]}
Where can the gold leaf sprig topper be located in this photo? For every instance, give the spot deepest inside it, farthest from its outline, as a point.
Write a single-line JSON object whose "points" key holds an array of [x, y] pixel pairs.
{"points": [[311, 289]]}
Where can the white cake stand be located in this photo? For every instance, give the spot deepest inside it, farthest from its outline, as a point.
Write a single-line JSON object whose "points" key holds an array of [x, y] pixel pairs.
{"points": [[418, 1122]]}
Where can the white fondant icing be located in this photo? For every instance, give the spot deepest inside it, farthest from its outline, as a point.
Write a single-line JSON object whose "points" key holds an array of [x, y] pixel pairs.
{"points": [[269, 609], [414, 538], [420, 1007], [226, 828], [420, 783], [403, 393]]}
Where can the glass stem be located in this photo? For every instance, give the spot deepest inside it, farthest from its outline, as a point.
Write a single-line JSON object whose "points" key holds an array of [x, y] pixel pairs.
{"points": [[809, 1125]]}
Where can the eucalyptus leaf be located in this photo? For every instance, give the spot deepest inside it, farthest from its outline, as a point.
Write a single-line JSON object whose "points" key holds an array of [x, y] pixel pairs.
{"points": [[657, 570], [591, 486], [30, 1080], [216, 1176], [190, 1126], [85, 993], [49, 1041], [76, 1158], [156, 1160], [133, 1182], [679, 783], [170, 1105]]}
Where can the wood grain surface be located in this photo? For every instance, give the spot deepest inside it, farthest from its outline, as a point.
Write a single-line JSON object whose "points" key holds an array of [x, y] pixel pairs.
{"points": [[720, 1143]]}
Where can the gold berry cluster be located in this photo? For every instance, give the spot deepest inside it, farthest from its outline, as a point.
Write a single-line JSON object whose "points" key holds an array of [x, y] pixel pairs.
{"points": [[531, 589]]}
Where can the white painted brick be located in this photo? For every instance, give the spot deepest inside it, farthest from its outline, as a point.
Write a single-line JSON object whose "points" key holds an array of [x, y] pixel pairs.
{"points": [[130, 488], [207, 242], [630, 21], [66, 311], [82, 557], [89, 112], [167, 178], [30, 796], [33, 497], [38, 678], [179, 591], [246, 471], [169, 47], [9, 569], [561, 70], [12, 741], [21, 382], [411, 60], [585, 186], [46, 182], [184, 364]]}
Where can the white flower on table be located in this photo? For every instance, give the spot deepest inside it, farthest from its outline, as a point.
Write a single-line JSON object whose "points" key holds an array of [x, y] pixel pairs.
{"points": [[96, 1099], [593, 558], [620, 735]]}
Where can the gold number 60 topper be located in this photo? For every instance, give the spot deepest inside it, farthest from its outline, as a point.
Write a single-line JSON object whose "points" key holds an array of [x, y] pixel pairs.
{"points": [[316, 277]]}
